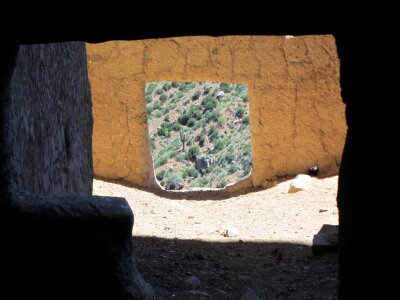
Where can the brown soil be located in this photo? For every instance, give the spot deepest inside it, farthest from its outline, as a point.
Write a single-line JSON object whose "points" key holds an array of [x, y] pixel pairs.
{"points": [[181, 250]]}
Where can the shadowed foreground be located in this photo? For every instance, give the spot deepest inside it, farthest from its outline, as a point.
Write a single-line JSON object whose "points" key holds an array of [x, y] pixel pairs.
{"points": [[235, 270]]}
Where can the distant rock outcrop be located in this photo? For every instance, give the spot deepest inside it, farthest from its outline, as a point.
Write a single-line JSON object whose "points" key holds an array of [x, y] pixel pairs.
{"points": [[202, 163]]}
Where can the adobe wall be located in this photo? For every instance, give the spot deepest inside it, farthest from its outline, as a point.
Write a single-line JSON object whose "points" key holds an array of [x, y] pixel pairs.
{"points": [[296, 112]]}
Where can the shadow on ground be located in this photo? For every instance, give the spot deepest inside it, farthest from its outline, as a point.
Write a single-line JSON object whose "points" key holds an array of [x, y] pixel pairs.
{"points": [[192, 269]]}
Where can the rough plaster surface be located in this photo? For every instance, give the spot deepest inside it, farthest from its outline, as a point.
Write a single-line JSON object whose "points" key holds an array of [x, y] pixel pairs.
{"points": [[296, 112], [49, 121], [59, 241]]}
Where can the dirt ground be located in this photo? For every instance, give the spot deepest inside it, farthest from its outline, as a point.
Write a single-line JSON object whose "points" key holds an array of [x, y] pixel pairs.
{"points": [[182, 249]]}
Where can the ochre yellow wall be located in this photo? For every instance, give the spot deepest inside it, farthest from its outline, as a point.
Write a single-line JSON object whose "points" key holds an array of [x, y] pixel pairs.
{"points": [[296, 112]]}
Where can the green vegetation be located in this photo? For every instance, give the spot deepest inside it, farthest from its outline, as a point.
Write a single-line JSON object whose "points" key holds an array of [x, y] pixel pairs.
{"points": [[163, 98], [196, 95], [193, 152], [182, 136], [199, 136]]}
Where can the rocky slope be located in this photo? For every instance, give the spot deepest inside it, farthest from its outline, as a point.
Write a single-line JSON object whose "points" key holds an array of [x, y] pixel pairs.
{"points": [[199, 133]]}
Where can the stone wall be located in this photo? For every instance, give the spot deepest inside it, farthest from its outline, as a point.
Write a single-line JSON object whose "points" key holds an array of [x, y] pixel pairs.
{"points": [[49, 121], [58, 241], [296, 112]]}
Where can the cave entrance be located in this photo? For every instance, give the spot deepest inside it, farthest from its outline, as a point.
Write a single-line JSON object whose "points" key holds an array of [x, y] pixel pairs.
{"points": [[199, 133]]}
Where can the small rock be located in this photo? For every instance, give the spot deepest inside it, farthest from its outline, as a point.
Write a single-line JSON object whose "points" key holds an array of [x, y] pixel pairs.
{"points": [[302, 182], [192, 282], [326, 240], [230, 232], [174, 186], [220, 94], [313, 171]]}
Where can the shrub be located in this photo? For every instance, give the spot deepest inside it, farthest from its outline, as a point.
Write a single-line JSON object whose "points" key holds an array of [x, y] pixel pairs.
{"points": [[221, 184], [240, 88], [172, 178], [229, 157], [191, 122], [158, 114], [166, 119], [218, 146], [196, 95], [165, 110], [246, 99], [183, 119], [246, 120], [232, 169], [195, 112], [163, 98], [240, 112], [172, 106], [213, 133], [221, 119], [189, 143], [150, 88], [176, 126], [180, 157], [172, 154], [160, 175], [215, 115], [184, 173], [193, 173], [199, 182], [201, 138], [209, 103], [167, 86], [210, 169], [163, 132], [246, 166], [193, 152], [175, 84], [149, 98], [157, 105], [159, 91], [197, 125], [179, 95], [160, 160], [192, 85], [226, 87], [208, 116], [153, 143], [182, 87], [206, 91], [246, 150], [149, 110]]}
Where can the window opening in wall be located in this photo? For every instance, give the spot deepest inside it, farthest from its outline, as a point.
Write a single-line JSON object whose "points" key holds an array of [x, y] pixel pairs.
{"points": [[199, 133]]}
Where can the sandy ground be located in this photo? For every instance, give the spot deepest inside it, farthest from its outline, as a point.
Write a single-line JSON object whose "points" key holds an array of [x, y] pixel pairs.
{"points": [[182, 251]]}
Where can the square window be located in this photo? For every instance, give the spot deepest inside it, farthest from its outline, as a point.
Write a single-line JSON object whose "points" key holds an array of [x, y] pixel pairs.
{"points": [[199, 132]]}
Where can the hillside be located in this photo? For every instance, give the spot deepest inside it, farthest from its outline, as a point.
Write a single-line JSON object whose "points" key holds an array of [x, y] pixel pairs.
{"points": [[199, 133]]}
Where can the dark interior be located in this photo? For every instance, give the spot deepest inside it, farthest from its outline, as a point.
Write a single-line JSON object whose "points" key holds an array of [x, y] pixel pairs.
{"points": [[35, 266]]}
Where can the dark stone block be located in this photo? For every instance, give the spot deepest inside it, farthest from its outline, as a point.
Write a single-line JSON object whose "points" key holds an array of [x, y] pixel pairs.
{"points": [[70, 248]]}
